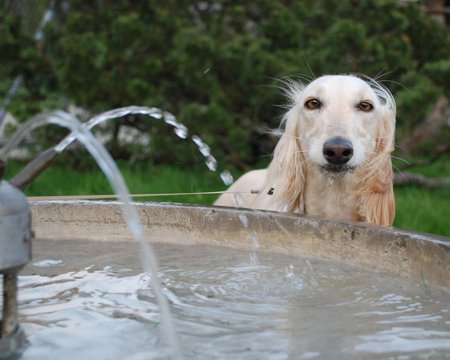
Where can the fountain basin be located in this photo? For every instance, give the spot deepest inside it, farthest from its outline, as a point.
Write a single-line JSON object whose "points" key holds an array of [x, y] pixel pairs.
{"points": [[241, 283], [417, 256]]}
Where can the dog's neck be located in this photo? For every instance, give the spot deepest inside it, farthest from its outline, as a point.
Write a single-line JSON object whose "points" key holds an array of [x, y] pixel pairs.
{"points": [[330, 197]]}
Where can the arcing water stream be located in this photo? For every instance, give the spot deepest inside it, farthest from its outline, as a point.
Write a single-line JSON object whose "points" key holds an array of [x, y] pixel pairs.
{"points": [[44, 160], [82, 133]]}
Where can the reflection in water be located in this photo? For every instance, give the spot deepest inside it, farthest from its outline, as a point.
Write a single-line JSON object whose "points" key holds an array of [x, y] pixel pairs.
{"points": [[225, 307]]}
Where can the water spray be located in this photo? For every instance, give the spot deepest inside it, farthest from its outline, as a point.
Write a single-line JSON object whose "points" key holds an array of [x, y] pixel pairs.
{"points": [[39, 164], [15, 229]]}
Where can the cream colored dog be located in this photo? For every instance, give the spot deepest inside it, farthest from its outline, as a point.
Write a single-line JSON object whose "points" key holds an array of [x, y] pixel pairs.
{"points": [[333, 159]]}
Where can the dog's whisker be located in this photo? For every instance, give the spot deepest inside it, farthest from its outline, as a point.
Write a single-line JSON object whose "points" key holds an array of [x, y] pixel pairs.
{"points": [[284, 107], [401, 159], [304, 78], [397, 169], [378, 77], [397, 83]]}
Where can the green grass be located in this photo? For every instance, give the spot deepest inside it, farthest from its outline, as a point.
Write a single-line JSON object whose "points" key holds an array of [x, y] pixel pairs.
{"points": [[140, 179], [417, 209], [423, 210]]}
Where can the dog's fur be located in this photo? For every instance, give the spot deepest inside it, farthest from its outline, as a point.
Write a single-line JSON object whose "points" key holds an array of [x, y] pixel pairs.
{"points": [[301, 180]]}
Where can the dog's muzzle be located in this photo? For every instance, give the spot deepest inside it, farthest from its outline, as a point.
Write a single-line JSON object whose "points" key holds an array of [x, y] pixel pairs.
{"points": [[337, 152]]}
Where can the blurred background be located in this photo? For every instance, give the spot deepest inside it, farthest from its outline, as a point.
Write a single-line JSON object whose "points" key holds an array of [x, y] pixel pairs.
{"points": [[219, 66]]}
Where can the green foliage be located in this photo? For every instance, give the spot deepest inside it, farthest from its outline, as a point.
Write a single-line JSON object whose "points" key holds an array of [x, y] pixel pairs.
{"points": [[217, 64], [416, 100]]}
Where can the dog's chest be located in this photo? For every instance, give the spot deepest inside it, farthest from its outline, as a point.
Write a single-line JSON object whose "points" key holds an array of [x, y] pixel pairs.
{"points": [[330, 198]]}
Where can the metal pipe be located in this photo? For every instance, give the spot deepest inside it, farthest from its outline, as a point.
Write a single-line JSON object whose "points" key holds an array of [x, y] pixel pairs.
{"points": [[9, 319], [34, 168]]}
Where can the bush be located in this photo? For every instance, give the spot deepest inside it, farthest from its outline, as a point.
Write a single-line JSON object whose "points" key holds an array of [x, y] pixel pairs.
{"points": [[217, 64]]}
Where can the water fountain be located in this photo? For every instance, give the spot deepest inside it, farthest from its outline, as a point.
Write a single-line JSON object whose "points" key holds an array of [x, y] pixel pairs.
{"points": [[16, 202], [319, 289]]}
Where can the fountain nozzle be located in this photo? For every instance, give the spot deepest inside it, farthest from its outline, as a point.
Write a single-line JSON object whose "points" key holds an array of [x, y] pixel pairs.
{"points": [[15, 253]]}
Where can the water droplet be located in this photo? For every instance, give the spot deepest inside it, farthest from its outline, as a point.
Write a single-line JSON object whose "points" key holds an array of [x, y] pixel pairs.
{"points": [[244, 220], [204, 148], [253, 259], [206, 71], [211, 163], [170, 119], [255, 240], [181, 131], [289, 271], [48, 263], [226, 177], [237, 200], [156, 115]]}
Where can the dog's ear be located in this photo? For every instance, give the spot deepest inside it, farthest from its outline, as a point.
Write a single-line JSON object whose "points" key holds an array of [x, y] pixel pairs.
{"points": [[286, 173], [376, 203], [376, 200]]}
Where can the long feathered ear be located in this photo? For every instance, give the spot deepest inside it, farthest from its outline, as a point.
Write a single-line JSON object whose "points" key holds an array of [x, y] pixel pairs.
{"points": [[376, 202], [286, 173]]}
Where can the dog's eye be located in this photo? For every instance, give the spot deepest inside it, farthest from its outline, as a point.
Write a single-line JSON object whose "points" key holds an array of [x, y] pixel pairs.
{"points": [[365, 106], [313, 104]]}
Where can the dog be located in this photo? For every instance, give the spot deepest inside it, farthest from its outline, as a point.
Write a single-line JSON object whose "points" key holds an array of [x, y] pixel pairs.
{"points": [[333, 159]]}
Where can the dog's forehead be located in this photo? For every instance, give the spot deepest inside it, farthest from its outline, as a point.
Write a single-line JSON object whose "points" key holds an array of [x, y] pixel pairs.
{"points": [[340, 85]]}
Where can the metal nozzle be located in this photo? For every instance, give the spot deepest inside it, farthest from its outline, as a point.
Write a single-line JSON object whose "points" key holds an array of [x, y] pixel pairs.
{"points": [[34, 168]]}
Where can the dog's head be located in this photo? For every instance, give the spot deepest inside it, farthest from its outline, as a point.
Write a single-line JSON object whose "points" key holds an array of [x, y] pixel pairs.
{"points": [[341, 119], [340, 124]]}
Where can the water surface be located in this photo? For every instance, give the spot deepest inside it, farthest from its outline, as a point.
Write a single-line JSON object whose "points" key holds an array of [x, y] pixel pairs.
{"points": [[226, 304]]}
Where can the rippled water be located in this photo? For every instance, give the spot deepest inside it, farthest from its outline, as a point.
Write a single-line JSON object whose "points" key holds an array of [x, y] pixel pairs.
{"points": [[226, 306]]}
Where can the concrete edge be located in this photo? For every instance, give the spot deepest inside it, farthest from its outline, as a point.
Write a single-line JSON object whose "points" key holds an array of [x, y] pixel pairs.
{"points": [[425, 258]]}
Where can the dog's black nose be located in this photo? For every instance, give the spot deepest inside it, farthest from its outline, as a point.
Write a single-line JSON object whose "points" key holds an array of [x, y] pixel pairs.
{"points": [[338, 151]]}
